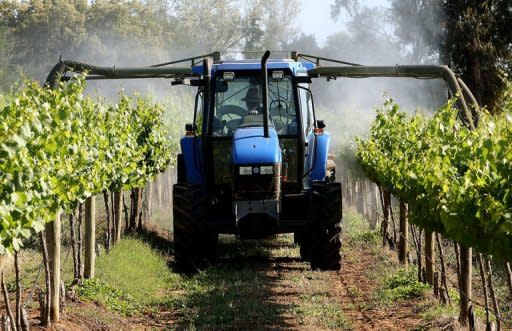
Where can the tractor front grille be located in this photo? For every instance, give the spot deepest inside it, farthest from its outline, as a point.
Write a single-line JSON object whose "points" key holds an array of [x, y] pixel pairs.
{"points": [[257, 186], [254, 187]]}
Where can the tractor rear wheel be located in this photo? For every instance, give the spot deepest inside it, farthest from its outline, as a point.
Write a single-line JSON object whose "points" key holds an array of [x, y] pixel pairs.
{"points": [[193, 245], [326, 226]]}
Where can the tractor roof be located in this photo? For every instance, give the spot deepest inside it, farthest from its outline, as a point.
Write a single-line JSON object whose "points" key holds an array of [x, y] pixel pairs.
{"points": [[297, 68]]}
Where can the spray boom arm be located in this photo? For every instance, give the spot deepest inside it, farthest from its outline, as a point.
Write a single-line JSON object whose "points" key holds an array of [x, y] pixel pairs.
{"points": [[408, 71], [340, 69]]}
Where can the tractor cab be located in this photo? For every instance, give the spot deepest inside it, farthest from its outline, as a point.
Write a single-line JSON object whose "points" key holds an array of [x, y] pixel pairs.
{"points": [[238, 102]]}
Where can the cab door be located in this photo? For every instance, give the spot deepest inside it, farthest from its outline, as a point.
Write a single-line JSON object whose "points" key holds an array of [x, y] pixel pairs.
{"points": [[308, 120]]}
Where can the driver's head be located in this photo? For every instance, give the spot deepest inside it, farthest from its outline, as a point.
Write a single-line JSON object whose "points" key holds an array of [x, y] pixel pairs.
{"points": [[252, 98]]}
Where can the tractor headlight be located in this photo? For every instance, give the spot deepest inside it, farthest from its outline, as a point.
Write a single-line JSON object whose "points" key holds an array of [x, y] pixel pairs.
{"points": [[267, 170], [244, 171]]}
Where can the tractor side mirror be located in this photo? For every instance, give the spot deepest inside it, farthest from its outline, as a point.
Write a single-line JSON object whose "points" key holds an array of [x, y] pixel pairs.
{"points": [[320, 124], [187, 82]]}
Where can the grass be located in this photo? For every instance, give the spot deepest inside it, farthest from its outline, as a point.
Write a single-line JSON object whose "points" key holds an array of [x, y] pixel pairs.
{"points": [[317, 306], [358, 232], [401, 285], [108, 296], [318, 310], [134, 268], [237, 294], [129, 279]]}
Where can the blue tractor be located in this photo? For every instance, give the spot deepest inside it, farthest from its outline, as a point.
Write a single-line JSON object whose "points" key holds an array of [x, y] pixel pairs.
{"points": [[255, 160], [255, 163]]}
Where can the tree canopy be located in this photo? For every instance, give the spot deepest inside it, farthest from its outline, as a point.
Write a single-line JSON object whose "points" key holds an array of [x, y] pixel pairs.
{"points": [[35, 33], [472, 37]]}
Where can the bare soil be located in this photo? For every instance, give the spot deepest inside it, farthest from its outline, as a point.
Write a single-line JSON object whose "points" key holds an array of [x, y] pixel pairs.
{"points": [[357, 288]]}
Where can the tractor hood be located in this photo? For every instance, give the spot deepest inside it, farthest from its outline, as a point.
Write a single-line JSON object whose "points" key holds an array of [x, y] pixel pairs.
{"points": [[250, 147]]}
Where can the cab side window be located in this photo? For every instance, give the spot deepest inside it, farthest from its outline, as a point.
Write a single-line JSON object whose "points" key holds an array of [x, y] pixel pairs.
{"points": [[306, 104], [198, 114]]}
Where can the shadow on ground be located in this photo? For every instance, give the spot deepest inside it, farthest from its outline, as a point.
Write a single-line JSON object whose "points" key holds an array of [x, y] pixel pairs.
{"points": [[238, 292]]}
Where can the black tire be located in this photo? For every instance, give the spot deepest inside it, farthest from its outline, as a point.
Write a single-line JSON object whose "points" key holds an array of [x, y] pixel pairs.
{"points": [[303, 239], [325, 230], [193, 245], [182, 177]]}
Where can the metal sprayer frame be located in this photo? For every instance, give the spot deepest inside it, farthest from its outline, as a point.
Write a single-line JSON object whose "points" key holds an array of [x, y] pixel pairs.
{"points": [[340, 68]]}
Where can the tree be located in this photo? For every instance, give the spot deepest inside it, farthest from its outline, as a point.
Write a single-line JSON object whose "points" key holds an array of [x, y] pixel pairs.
{"points": [[417, 25], [209, 25], [43, 30], [34, 33], [478, 43], [234, 25], [473, 37], [277, 21], [128, 32], [8, 71], [351, 6]]}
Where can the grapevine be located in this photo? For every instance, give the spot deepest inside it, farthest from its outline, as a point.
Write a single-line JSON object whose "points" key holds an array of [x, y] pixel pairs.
{"points": [[457, 181], [57, 148]]}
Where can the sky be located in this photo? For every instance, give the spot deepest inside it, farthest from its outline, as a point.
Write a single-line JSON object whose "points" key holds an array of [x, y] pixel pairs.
{"points": [[315, 17]]}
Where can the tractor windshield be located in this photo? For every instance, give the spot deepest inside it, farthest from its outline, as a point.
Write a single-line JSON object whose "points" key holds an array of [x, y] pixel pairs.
{"points": [[238, 103]]}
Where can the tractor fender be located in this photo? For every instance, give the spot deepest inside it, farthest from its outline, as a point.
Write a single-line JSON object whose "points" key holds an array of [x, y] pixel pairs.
{"points": [[191, 148], [321, 157]]}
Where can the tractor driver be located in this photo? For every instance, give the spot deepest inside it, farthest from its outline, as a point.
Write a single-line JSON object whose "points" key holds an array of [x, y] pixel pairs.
{"points": [[253, 100]]}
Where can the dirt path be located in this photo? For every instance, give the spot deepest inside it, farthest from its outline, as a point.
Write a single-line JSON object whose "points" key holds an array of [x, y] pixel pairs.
{"points": [[357, 287], [281, 292], [352, 289], [264, 286]]}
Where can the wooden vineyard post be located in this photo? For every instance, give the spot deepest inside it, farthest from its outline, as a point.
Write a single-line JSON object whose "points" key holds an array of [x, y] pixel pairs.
{"points": [[484, 288], [108, 231], [386, 206], [465, 284], [492, 292], [75, 252], [90, 237], [6, 300], [429, 257], [45, 313], [118, 214], [509, 277], [360, 196], [446, 297], [403, 249], [53, 239], [136, 207], [136, 221], [18, 290]]}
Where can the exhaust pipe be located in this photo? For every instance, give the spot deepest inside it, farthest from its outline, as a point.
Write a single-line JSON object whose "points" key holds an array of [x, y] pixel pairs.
{"points": [[264, 85], [207, 77]]}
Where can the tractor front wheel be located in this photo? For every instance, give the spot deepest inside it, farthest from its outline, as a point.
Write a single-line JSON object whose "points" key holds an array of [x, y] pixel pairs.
{"points": [[303, 238], [326, 226], [193, 245]]}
